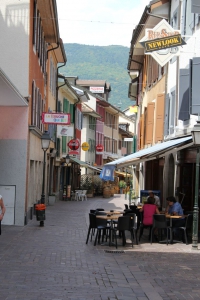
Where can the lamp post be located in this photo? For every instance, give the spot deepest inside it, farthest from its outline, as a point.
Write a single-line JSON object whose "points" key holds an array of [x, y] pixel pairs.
{"points": [[196, 140], [45, 141]]}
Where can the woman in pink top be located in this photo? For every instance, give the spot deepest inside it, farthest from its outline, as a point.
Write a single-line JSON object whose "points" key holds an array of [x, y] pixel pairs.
{"points": [[149, 210]]}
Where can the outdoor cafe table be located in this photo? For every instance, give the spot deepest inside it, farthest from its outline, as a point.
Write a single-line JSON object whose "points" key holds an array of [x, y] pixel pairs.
{"points": [[171, 218], [109, 217]]}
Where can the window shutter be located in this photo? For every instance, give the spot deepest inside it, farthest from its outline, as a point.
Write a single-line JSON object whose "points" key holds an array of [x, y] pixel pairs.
{"points": [[142, 132], [64, 142], [184, 94], [195, 6], [150, 123], [195, 103], [166, 127], [65, 106], [172, 112], [72, 113], [138, 134], [159, 117], [58, 147], [59, 106]]}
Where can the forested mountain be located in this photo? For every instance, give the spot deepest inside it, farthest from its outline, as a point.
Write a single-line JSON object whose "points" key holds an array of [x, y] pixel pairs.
{"points": [[101, 63]]}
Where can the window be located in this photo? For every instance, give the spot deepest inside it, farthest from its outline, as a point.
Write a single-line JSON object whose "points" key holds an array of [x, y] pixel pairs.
{"points": [[92, 122], [37, 107]]}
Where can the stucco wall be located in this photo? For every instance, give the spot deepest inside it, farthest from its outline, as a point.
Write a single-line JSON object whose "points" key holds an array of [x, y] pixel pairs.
{"points": [[14, 34]]}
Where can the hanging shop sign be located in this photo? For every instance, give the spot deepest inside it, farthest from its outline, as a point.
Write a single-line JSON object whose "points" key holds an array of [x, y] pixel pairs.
{"points": [[162, 42], [97, 89], [85, 146], [64, 130], [99, 149], [55, 118], [73, 144]]}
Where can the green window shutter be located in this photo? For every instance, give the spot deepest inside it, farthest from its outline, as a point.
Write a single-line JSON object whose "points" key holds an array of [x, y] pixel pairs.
{"points": [[59, 106], [58, 147], [64, 142], [72, 112], [65, 106]]}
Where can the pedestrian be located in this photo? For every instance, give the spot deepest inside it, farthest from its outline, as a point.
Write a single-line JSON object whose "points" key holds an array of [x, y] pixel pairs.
{"points": [[2, 210], [157, 199]]}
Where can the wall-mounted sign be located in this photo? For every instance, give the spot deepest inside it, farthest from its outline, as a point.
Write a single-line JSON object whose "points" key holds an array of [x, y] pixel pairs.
{"points": [[63, 130], [99, 149], [97, 89], [85, 146], [162, 42], [73, 144], [55, 118]]}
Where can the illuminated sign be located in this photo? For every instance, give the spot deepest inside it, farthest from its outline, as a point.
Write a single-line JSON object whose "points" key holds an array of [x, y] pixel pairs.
{"points": [[56, 118]]}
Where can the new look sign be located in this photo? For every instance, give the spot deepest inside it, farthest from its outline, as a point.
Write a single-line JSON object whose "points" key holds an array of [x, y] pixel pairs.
{"points": [[162, 42]]}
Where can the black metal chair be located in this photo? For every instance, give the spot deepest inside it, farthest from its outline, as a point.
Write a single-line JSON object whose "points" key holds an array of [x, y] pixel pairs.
{"points": [[133, 227], [126, 206], [122, 226], [92, 225], [100, 209], [188, 225], [102, 227], [160, 222]]}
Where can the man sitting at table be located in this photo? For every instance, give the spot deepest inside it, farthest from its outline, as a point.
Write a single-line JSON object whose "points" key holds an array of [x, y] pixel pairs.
{"points": [[174, 208]]}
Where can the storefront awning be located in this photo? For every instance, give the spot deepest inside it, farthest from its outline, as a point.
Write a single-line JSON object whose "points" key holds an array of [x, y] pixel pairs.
{"points": [[84, 164], [154, 152], [123, 174]]}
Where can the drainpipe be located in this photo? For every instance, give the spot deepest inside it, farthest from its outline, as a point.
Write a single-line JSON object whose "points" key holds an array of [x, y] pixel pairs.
{"points": [[155, 16]]}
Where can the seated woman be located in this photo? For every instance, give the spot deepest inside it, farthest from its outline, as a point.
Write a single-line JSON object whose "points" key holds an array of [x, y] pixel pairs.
{"points": [[149, 210]]}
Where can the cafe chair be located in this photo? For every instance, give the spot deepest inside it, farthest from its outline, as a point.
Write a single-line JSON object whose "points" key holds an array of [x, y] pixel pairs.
{"points": [[102, 228], [122, 226], [126, 206], [160, 222], [188, 225], [133, 227], [92, 225]]}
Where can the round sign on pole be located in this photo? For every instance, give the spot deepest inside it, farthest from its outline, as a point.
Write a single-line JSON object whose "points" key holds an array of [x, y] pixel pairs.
{"points": [[85, 146], [73, 144], [99, 148]]}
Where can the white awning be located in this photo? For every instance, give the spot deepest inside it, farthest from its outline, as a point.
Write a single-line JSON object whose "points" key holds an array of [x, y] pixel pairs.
{"points": [[154, 152]]}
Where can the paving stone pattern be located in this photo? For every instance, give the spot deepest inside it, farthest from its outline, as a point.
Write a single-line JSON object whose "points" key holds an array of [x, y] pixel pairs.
{"points": [[54, 263]]}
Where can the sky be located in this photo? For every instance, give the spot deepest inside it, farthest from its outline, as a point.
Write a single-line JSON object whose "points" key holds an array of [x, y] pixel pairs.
{"points": [[99, 23]]}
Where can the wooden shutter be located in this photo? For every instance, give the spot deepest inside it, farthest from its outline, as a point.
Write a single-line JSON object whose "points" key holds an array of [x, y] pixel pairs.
{"points": [[144, 74], [65, 106], [166, 123], [142, 132], [64, 142], [71, 110], [150, 123], [184, 82], [195, 103], [138, 134], [160, 101]]}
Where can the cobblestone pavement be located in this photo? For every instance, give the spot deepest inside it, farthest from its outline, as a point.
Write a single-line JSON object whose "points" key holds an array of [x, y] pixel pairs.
{"points": [[53, 262]]}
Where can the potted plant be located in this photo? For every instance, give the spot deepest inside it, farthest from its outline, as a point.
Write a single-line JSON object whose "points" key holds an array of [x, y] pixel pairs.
{"points": [[122, 186]]}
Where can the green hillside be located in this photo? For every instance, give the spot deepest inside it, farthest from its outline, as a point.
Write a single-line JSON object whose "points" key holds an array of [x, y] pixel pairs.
{"points": [[101, 63]]}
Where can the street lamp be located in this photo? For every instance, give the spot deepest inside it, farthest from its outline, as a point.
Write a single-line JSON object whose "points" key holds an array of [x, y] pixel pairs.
{"points": [[196, 140], [67, 159], [45, 141]]}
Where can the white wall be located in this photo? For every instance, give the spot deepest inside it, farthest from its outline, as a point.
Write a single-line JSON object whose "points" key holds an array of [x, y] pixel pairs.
{"points": [[14, 36]]}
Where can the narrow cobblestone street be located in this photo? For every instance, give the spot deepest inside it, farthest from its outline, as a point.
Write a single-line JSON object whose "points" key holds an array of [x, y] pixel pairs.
{"points": [[53, 262]]}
